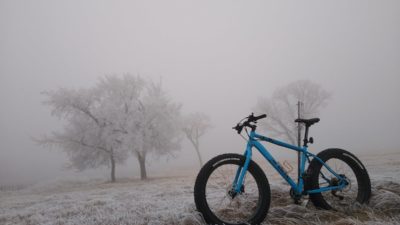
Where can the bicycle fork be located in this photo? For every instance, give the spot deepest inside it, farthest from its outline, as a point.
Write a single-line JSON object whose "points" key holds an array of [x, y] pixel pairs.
{"points": [[237, 185]]}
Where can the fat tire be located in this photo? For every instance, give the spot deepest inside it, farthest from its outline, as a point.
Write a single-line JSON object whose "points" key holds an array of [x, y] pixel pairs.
{"points": [[230, 158], [363, 180]]}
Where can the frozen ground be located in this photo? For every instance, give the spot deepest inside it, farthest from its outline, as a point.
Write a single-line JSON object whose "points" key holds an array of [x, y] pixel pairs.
{"points": [[170, 201]]}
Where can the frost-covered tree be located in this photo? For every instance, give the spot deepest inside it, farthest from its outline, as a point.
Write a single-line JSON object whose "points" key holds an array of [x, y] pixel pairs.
{"points": [[91, 137], [195, 125], [117, 116], [156, 127], [86, 138], [282, 110]]}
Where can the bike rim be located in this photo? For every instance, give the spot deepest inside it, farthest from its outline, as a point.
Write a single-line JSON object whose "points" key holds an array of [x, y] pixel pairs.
{"points": [[239, 209], [341, 199]]}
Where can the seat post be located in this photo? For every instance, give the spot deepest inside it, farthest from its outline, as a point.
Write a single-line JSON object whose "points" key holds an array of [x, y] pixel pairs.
{"points": [[305, 140]]}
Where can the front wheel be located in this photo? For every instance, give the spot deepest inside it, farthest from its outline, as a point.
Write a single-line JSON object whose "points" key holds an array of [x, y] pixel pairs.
{"points": [[214, 197], [350, 169]]}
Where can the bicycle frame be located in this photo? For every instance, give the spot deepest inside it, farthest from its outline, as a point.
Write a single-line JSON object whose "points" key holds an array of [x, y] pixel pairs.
{"points": [[297, 187]]}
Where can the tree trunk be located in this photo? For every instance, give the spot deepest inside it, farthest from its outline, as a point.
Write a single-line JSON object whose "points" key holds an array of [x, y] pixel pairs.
{"points": [[198, 155], [112, 168], [142, 164], [195, 143]]}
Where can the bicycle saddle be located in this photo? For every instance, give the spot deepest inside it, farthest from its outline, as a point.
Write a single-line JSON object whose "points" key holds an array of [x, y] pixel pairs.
{"points": [[307, 122]]}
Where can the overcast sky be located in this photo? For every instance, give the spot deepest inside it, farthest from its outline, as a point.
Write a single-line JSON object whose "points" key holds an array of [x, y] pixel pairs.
{"points": [[217, 57]]}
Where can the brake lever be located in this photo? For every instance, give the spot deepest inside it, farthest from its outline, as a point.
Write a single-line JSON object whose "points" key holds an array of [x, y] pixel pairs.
{"points": [[238, 128]]}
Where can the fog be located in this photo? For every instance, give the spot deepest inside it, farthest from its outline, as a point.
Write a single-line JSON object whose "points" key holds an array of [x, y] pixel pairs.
{"points": [[216, 57]]}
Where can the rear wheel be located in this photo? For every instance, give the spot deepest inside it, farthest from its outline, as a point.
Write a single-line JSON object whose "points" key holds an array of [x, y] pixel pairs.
{"points": [[216, 199], [346, 165]]}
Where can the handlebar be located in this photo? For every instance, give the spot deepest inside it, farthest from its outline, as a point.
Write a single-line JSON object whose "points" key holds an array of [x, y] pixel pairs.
{"points": [[247, 122], [255, 118]]}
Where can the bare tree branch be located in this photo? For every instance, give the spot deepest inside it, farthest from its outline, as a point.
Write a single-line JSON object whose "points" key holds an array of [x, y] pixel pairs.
{"points": [[280, 108]]}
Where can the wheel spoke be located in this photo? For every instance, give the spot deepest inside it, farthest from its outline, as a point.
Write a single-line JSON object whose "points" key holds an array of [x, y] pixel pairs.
{"points": [[345, 167], [339, 198], [215, 197], [225, 207]]}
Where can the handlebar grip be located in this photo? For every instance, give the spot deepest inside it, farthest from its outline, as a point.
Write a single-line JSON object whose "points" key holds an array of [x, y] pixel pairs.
{"points": [[261, 116]]}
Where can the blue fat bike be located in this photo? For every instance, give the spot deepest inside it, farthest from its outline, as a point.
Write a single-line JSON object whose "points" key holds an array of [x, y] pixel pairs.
{"points": [[233, 189]]}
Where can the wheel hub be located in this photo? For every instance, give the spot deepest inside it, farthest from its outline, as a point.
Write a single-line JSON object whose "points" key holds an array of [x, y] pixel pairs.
{"points": [[232, 193]]}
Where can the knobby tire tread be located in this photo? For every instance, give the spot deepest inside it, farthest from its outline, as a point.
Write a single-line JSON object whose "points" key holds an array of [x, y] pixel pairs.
{"points": [[363, 180]]}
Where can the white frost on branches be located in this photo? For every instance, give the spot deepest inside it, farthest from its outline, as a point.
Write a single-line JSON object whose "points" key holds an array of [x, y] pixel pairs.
{"points": [[118, 116]]}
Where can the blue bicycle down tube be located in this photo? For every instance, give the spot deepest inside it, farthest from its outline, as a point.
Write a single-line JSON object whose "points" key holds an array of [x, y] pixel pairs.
{"points": [[272, 161]]}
